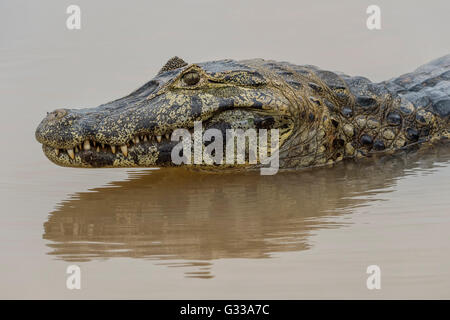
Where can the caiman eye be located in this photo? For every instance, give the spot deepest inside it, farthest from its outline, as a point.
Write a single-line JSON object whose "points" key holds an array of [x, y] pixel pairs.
{"points": [[191, 78]]}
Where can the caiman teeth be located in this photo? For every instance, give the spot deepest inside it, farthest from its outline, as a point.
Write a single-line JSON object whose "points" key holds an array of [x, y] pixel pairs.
{"points": [[104, 147], [71, 153], [124, 149]]}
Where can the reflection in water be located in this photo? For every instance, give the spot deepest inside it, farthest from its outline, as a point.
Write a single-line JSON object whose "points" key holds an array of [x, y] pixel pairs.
{"points": [[193, 217]]}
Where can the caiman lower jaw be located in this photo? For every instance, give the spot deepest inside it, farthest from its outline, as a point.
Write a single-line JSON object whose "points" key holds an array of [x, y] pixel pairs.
{"points": [[142, 150]]}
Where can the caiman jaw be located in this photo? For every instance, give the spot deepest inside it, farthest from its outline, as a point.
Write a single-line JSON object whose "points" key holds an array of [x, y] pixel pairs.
{"points": [[92, 153]]}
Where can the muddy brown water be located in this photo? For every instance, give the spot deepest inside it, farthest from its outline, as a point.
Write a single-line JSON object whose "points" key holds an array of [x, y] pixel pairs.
{"points": [[149, 233]]}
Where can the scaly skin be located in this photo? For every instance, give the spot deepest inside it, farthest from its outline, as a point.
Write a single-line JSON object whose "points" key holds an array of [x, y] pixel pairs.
{"points": [[323, 117]]}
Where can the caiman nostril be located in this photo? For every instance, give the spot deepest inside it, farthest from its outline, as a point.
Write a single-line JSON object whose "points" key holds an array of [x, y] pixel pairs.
{"points": [[56, 115]]}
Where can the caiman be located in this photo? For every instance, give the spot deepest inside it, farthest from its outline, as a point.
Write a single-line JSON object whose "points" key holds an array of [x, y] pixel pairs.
{"points": [[323, 117]]}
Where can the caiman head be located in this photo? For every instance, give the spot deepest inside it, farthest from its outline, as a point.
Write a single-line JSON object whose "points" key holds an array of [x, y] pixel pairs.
{"points": [[135, 131]]}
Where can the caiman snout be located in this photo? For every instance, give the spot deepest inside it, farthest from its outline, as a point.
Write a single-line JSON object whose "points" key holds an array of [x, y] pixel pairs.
{"points": [[60, 128], [45, 132], [99, 137], [51, 120], [56, 115]]}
